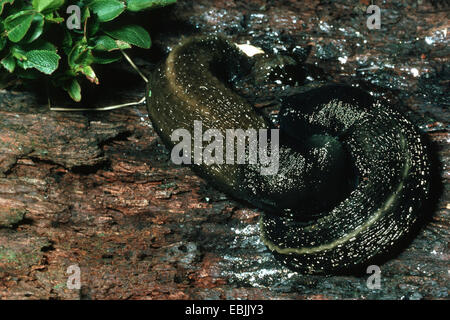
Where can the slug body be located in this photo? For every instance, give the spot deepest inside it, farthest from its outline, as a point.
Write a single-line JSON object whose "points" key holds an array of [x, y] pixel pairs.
{"points": [[353, 174]]}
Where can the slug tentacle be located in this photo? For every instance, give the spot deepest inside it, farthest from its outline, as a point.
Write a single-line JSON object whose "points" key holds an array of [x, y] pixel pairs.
{"points": [[353, 174]]}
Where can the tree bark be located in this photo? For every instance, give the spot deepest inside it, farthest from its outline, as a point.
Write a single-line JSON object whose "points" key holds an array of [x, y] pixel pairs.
{"points": [[98, 189]]}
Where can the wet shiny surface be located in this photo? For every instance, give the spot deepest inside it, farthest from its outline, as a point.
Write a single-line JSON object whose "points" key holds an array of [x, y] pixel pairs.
{"points": [[142, 228], [404, 63]]}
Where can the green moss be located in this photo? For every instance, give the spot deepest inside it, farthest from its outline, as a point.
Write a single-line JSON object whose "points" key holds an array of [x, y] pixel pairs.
{"points": [[7, 255], [10, 217]]}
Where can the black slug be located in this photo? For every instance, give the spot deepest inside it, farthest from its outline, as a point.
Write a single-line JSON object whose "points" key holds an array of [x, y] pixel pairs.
{"points": [[352, 174]]}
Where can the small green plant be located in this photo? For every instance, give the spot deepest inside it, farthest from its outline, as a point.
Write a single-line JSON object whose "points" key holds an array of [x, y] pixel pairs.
{"points": [[63, 40]]}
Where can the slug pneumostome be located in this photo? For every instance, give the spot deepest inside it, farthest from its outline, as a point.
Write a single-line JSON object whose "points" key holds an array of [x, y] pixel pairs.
{"points": [[353, 173]]}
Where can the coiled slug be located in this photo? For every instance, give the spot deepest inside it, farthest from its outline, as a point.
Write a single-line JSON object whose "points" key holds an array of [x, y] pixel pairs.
{"points": [[353, 173]]}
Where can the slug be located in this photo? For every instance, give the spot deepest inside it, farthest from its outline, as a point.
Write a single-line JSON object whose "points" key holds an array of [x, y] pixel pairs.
{"points": [[353, 174]]}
